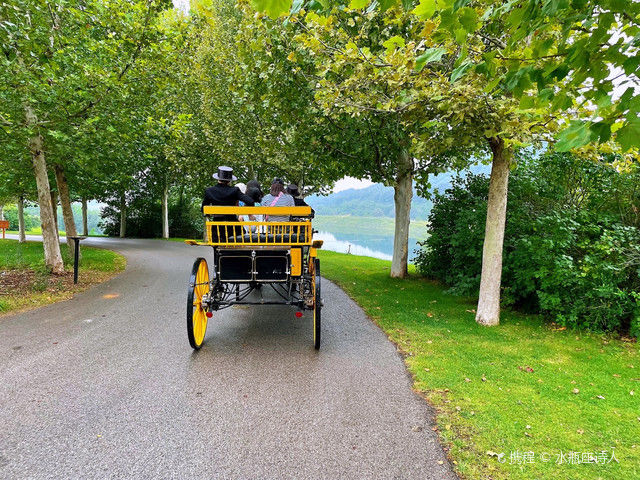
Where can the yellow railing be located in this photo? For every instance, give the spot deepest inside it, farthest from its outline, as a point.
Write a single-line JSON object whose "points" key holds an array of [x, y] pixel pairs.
{"points": [[225, 233]]}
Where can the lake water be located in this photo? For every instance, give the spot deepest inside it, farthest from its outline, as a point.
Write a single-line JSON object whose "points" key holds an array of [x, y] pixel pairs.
{"points": [[368, 244]]}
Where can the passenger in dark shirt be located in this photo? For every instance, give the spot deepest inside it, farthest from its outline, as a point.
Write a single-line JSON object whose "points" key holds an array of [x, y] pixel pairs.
{"points": [[224, 194], [292, 190]]}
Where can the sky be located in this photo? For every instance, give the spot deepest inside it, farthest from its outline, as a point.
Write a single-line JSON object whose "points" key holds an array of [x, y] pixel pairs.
{"points": [[349, 182], [181, 5]]}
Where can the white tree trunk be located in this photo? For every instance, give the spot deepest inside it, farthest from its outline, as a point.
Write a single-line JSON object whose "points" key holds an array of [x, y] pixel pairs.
{"points": [[165, 211], [403, 192], [21, 230], [65, 201], [488, 311], [123, 216], [1, 212], [85, 223], [52, 256]]}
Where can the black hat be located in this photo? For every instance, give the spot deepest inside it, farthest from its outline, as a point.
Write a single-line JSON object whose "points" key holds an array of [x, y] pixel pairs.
{"points": [[225, 174], [293, 190], [277, 180]]}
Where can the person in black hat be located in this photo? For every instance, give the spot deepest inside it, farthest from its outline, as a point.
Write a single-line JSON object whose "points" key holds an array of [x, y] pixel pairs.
{"points": [[224, 194], [292, 190]]}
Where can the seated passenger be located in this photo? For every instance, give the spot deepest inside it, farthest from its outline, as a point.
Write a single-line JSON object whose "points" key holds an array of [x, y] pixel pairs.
{"points": [[277, 198], [254, 191], [292, 190], [224, 194]]}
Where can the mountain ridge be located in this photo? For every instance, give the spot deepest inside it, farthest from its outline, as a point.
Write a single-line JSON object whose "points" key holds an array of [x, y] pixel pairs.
{"points": [[377, 200]]}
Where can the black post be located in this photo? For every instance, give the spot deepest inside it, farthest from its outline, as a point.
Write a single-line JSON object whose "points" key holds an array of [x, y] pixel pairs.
{"points": [[76, 258]]}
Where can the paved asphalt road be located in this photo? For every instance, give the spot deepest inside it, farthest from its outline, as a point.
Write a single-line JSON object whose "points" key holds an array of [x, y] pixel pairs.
{"points": [[106, 386]]}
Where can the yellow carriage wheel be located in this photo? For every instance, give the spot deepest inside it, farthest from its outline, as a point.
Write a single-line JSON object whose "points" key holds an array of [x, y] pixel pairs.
{"points": [[196, 314], [317, 303]]}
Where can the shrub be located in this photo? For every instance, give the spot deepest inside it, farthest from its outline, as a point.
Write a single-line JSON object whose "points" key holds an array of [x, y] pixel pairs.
{"points": [[11, 214], [144, 219], [567, 252]]}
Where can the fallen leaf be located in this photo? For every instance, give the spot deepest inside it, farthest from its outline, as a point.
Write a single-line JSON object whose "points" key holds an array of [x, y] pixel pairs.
{"points": [[440, 462], [467, 380], [484, 379], [429, 314], [416, 428], [458, 408], [600, 397], [528, 427], [576, 391], [580, 431], [492, 454], [632, 392], [616, 375]]}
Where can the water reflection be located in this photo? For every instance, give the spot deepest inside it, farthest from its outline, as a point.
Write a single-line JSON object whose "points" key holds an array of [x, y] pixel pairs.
{"points": [[343, 246]]}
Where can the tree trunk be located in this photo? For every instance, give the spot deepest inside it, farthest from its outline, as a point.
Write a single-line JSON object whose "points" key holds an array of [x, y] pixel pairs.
{"points": [[85, 223], [123, 216], [1, 212], [403, 192], [54, 207], [65, 201], [165, 211], [51, 245], [21, 233], [488, 311]]}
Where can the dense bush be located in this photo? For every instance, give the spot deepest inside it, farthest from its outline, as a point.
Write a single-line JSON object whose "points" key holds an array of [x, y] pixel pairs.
{"points": [[11, 214], [572, 243], [144, 218]]}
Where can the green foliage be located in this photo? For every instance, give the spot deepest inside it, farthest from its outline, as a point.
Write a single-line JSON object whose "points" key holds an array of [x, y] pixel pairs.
{"points": [[564, 67], [11, 214], [144, 214], [572, 244]]}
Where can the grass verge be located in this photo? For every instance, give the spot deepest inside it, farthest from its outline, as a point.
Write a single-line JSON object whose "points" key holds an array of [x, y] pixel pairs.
{"points": [[25, 283], [524, 386]]}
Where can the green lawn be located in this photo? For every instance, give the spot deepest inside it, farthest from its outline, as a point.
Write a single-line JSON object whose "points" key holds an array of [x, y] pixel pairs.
{"points": [[24, 282], [523, 386], [38, 231]]}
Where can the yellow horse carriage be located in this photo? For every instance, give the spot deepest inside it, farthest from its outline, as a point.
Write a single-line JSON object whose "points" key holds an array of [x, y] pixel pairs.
{"points": [[249, 255]]}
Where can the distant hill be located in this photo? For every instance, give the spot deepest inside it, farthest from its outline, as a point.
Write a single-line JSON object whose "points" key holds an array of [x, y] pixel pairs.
{"points": [[377, 200]]}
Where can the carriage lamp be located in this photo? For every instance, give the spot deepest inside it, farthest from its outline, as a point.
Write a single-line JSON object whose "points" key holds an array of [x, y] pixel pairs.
{"points": [[298, 314], [209, 314]]}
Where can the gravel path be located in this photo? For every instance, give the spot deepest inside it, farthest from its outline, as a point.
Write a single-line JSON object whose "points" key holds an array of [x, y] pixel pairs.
{"points": [[106, 386]]}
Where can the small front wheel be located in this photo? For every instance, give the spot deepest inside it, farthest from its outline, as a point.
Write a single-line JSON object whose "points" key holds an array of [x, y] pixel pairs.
{"points": [[317, 304], [196, 314]]}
